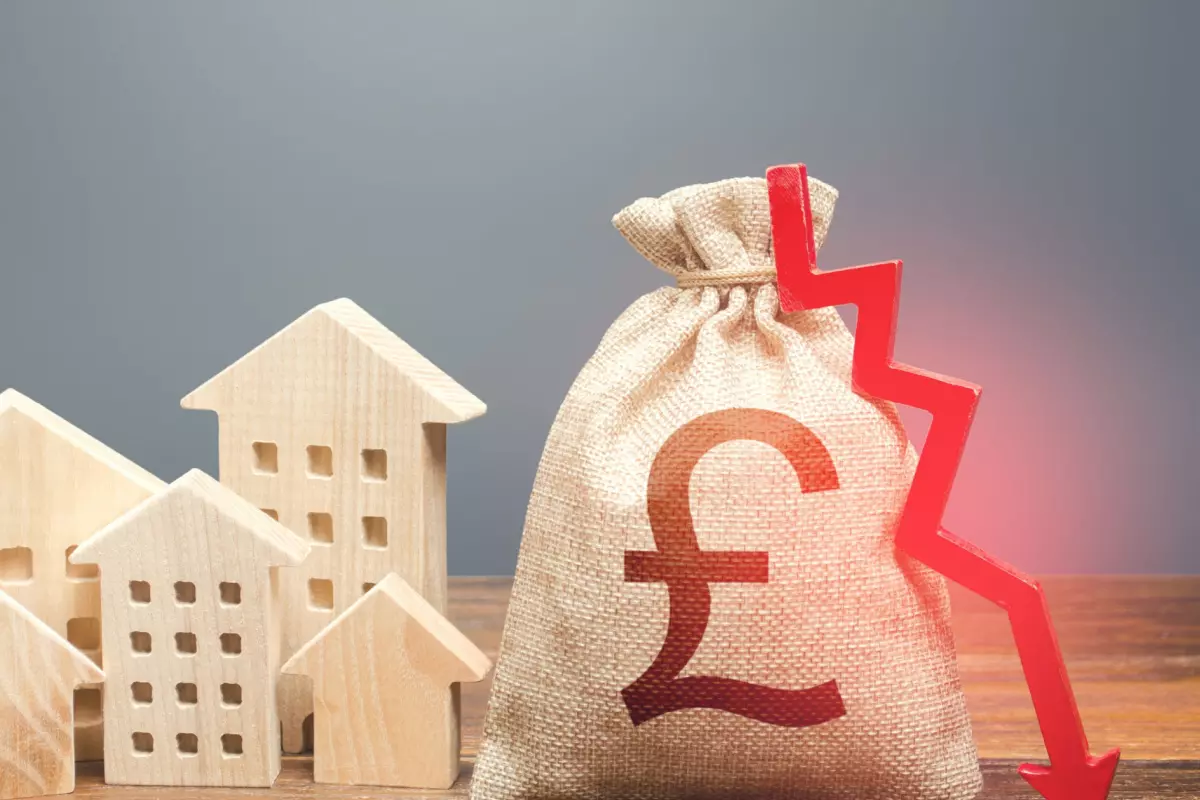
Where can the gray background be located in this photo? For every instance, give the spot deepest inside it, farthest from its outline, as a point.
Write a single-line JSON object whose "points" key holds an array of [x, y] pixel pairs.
{"points": [[178, 181]]}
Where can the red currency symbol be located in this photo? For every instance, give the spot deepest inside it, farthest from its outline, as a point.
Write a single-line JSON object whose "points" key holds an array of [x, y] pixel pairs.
{"points": [[687, 570]]}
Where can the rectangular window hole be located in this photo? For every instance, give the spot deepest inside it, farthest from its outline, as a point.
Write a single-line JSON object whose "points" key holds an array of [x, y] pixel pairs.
{"points": [[320, 461], [185, 694], [266, 458], [368, 587], [185, 593], [231, 744], [88, 705], [143, 744], [185, 643], [375, 534], [140, 642], [231, 694], [231, 644], [320, 594], [272, 513], [187, 744], [142, 693], [320, 527], [139, 592], [16, 565], [80, 572], [231, 593], [374, 465], [84, 632]]}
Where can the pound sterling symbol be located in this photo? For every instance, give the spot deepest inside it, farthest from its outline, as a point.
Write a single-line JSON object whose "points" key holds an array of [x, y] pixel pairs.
{"points": [[687, 570]]}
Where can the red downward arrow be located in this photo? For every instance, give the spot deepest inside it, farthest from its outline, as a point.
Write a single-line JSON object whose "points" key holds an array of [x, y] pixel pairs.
{"points": [[1073, 774]]}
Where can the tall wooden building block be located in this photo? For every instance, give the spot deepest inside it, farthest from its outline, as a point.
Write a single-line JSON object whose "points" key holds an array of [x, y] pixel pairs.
{"points": [[189, 588], [338, 429], [58, 486], [385, 678], [39, 671]]}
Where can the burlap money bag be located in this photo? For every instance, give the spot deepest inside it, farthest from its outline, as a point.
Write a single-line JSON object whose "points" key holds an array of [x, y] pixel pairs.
{"points": [[708, 601]]}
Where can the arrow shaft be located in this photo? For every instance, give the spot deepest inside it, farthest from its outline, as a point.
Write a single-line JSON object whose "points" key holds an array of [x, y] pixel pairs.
{"points": [[1033, 633], [1046, 675]]}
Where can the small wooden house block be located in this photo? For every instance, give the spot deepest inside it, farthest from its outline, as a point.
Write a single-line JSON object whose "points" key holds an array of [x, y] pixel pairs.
{"points": [[58, 486], [337, 428], [39, 671], [191, 635], [393, 647]]}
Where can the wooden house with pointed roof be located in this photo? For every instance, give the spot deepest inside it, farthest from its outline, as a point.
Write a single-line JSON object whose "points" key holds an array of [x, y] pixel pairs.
{"points": [[190, 596], [337, 428], [58, 486], [393, 647], [39, 671]]}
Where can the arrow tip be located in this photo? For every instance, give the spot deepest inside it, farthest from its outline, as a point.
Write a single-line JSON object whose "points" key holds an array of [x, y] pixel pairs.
{"points": [[1088, 781]]}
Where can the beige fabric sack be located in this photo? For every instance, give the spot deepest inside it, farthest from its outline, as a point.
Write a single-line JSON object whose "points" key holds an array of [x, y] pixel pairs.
{"points": [[708, 601]]}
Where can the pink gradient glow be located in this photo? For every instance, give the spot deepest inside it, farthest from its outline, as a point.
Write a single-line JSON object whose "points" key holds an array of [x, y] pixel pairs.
{"points": [[1045, 467]]}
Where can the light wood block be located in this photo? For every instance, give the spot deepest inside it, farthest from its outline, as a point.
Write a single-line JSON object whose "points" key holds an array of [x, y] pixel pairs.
{"points": [[385, 676], [39, 671], [189, 591], [58, 486], [339, 428]]}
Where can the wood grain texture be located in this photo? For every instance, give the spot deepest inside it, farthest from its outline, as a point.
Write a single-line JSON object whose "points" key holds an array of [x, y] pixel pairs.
{"points": [[1129, 642], [189, 594], [339, 427], [393, 647], [1132, 648], [58, 486], [39, 671]]}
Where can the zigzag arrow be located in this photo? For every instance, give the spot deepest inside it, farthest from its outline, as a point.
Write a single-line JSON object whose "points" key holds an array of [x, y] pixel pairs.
{"points": [[1073, 774]]}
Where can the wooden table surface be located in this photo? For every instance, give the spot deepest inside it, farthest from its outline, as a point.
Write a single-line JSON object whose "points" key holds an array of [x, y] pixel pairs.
{"points": [[1132, 646]]}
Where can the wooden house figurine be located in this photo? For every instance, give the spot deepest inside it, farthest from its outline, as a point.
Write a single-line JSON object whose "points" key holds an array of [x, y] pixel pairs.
{"points": [[393, 647], [189, 588], [39, 671], [58, 486], [337, 428]]}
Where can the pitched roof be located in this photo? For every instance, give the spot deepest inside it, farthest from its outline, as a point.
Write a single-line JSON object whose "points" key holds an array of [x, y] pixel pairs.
{"points": [[14, 613], [287, 547], [458, 404], [12, 401], [395, 591]]}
